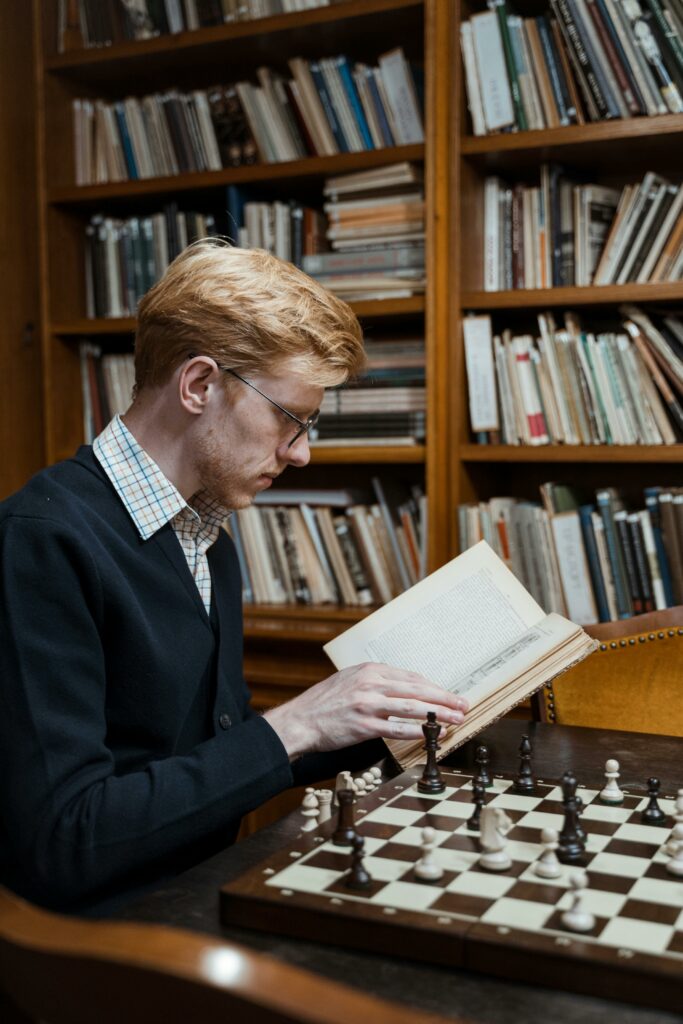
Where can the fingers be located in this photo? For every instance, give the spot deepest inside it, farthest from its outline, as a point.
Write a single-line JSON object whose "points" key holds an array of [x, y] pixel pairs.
{"points": [[407, 708], [404, 683]]}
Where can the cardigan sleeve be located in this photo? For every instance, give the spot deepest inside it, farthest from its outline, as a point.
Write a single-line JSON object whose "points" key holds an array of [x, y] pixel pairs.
{"points": [[73, 831]]}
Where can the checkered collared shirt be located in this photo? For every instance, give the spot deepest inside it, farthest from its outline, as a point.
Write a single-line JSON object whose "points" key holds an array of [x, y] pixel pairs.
{"points": [[152, 500]]}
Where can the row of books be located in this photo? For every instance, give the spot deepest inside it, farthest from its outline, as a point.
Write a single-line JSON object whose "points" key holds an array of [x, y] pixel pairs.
{"points": [[593, 561], [386, 403], [327, 107], [584, 60], [321, 548], [576, 386], [106, 386], [87, 23], [561, 234], [125, 257]]}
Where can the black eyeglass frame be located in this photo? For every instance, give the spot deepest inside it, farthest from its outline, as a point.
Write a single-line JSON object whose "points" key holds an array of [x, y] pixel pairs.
{"points": [[305, 426]]}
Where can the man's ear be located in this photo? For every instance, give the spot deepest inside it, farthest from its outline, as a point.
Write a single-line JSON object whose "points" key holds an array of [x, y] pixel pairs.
{"points": [[195, 380]]}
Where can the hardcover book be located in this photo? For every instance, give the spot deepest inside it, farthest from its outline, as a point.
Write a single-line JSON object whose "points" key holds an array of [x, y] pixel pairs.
{"points": [[472, 628]]}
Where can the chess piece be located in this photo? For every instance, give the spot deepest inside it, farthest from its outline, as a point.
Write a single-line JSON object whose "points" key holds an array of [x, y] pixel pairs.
{"points": [[525, 782], [361, 786], [369, 780], [610, 793], [675, 848], [678, 818], [376, 772], [324, 805], [344, 781], [577, 918], [571, 844], [653, 813], [346, 824], [547, 865], [481, 759], [357, 877], [478, 799], [495, 824], [426, 869], [309, 809], [431, 781]]}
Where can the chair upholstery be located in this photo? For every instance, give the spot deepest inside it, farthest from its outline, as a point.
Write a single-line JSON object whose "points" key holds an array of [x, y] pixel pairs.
{"points": [[633, 681], [61, 970]]}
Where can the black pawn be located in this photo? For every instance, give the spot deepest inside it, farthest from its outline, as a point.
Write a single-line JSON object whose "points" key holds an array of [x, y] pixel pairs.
{"points": [[478, 799], [653, 813], [525, 782], [481, 759], [345, 831], [431, 781], [572, 845], [357, 877]]}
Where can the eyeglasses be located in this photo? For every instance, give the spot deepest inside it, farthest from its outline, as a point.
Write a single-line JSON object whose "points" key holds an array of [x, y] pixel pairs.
{"points": [[304, 425]]}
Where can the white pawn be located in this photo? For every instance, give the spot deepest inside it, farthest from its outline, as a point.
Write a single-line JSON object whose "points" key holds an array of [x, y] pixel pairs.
{"points": [[675, 848], [494, 825], [426, 868], [577, 919], [376, 772], [547, 865], [611, 794], [370, 783], [325, 805], [361, 787], [309, 809]]}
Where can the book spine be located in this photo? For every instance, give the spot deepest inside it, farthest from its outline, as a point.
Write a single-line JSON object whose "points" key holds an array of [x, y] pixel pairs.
{"points": [[672, 544], [500, 8], [628, 554], [354, 99], [652, 506], [588, 534], [641, 560], [567, 15], [604, 503], [554, 70]]}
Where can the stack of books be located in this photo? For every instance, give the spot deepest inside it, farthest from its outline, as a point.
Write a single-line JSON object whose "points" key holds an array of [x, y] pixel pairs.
{"points": [[584, 60], [125, 257], [561, 234], [326, 107], [376, 227], [330, 547], [106, 385], [573, 386], [94, 23], [595, 561], [386, 405]]}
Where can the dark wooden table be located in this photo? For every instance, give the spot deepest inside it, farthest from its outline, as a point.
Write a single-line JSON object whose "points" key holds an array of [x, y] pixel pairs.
{"points": [[192, 902]]}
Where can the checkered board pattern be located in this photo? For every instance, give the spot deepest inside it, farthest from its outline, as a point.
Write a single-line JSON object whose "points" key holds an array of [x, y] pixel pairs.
{"points": [[506, 923]]}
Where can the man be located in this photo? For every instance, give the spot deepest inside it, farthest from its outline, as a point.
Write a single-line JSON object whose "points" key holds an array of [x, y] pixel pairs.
{"points": [[128, 750]]}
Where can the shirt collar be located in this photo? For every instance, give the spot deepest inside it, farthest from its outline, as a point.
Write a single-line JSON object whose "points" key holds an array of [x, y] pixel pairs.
{"points": [[148, 495]]}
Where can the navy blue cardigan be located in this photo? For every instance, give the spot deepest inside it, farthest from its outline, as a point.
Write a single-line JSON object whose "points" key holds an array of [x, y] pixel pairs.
{"points": [[128, 750]]}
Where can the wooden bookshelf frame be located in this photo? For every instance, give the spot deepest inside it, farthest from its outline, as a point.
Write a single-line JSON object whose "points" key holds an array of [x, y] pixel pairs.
{"points": [[65, 207], [613, 151]]}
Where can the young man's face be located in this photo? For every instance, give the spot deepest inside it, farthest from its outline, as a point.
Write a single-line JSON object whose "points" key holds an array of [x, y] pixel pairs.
{"points": [[245, 443]]}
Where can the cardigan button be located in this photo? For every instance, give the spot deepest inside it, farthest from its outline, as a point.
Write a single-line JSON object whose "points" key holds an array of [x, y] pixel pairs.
{"points": [[224, 720]]}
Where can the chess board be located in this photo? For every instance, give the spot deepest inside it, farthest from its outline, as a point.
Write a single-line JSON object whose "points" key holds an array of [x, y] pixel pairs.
{"points": [[509, 923]]}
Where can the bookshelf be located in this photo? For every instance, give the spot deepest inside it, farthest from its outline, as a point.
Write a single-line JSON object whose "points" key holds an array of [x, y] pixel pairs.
{"points": [[282, 645], [610, 153]]}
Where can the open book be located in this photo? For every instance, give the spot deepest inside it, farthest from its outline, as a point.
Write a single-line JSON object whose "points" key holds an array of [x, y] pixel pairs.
{"points": [[472, 628]]}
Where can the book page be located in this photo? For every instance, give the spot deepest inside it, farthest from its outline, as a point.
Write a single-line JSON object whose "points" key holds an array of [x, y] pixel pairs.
{"points": [[448, 625]]}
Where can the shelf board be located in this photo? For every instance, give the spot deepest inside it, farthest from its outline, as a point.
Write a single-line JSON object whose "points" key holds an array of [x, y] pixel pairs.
{"points": [[665, 453], [179, 44], [369, 453], [311, 167], [371, 309], [315, 623], [603, 143], [541, 298]]}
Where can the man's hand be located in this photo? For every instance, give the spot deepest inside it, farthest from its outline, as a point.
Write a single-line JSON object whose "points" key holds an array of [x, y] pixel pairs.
{"points": [[362, 703]]}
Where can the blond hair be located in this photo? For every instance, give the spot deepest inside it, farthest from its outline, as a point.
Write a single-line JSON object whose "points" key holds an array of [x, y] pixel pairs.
{"points": [[247, 310]]}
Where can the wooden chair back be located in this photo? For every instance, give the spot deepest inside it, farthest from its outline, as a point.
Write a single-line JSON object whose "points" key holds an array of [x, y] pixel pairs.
{"points": [[62, 970], [633, 681]]}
